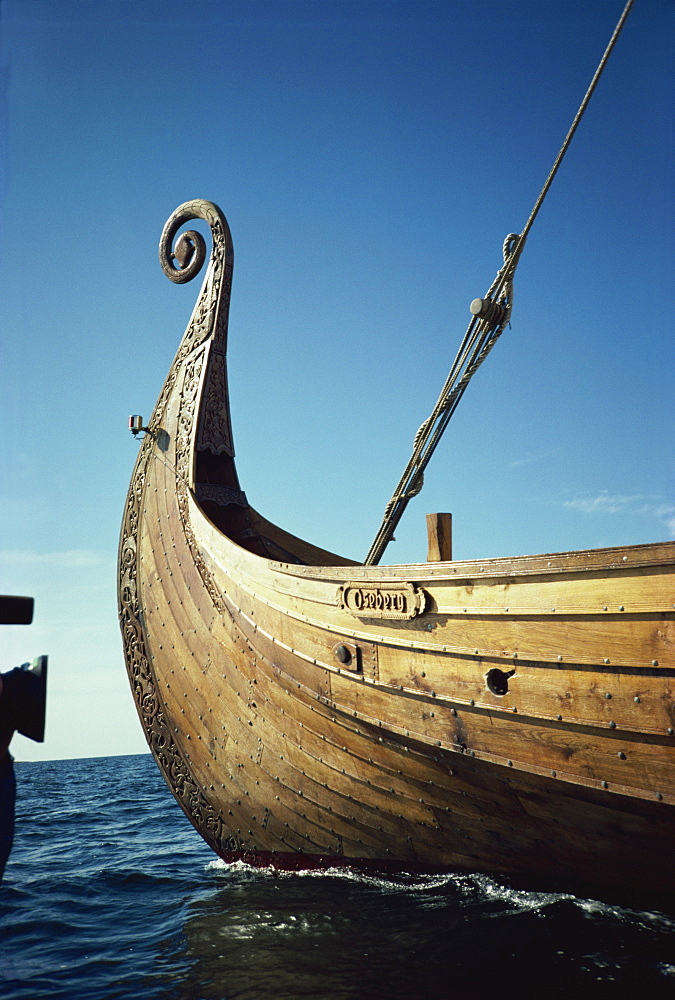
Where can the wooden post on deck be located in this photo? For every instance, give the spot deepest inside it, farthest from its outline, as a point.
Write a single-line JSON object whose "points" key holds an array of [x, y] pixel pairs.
{"points": [[439, 537]]}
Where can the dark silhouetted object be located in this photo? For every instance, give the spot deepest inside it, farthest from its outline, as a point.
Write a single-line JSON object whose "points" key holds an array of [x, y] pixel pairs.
{"points": [[23, 696]]}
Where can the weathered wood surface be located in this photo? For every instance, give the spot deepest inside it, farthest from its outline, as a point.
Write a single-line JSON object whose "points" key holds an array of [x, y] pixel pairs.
{"points": [[439, 537], [507, 715]]}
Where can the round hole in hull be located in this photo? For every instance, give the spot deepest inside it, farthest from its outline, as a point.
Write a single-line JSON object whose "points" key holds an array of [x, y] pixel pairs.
{"points": [[498, 680]]}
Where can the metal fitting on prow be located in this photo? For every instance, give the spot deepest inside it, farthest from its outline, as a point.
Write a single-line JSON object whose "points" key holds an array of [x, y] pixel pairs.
{"points": [[136, 425], [487, 310]]}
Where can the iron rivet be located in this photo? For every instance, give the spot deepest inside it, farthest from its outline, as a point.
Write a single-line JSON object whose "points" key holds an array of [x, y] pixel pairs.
{"points": [[612, 725], [621, 607], [636, 699], [655, 663], [510, 763], [604, 784], [453, 711], [659, 796], [606, 660], [560, 718], [553, 774], [621, 755], [671, 731], [472, 702], [607, 695]]}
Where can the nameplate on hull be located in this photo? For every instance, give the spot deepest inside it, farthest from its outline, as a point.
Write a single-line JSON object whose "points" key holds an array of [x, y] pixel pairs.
{"points": [[384, 600]]}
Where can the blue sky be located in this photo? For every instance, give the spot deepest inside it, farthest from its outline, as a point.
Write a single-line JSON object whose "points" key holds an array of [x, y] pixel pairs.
{"points": [[371, 157]]}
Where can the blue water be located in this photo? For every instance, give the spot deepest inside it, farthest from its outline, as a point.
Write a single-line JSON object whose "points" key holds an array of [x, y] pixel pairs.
{"points": [[110, 893]]}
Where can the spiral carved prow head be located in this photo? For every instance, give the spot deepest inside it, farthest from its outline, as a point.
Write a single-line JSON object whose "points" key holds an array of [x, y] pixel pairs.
{"points": [[181, 261]]}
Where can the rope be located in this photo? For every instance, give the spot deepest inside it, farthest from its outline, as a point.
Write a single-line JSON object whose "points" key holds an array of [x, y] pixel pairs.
{"points": [[490, 317]]}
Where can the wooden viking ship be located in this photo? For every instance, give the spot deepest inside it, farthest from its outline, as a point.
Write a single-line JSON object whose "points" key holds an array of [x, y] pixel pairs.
{"points": [[509, 715]]}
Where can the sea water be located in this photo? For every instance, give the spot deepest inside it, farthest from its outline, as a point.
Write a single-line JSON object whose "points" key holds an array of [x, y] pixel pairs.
{"points": [[110, 893]]}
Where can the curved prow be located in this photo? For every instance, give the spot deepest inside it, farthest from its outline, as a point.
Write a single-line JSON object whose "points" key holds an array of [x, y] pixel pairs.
{"points": [[191, 421], [200, 417]]}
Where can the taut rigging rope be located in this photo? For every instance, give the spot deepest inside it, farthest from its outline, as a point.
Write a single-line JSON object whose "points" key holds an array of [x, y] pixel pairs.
{"points": [[490, 316]]}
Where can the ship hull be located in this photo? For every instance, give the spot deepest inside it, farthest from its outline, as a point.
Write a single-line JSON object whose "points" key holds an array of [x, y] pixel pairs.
{"points": [[510, 716]]}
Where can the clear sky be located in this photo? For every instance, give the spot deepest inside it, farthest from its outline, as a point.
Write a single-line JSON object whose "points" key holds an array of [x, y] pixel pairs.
{"points": [[371, 157]]}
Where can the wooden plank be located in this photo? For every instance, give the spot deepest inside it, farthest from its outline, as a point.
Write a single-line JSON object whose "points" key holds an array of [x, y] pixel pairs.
{"points": [[639, 700], [642, 589]]}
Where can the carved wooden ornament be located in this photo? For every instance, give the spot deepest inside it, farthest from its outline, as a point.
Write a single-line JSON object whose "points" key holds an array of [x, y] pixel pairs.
{"points": [[383, 600]]}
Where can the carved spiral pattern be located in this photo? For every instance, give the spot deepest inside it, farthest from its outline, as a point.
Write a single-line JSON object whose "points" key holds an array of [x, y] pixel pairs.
{"points": [[144, 685], [209, 321], [189, 249]]}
